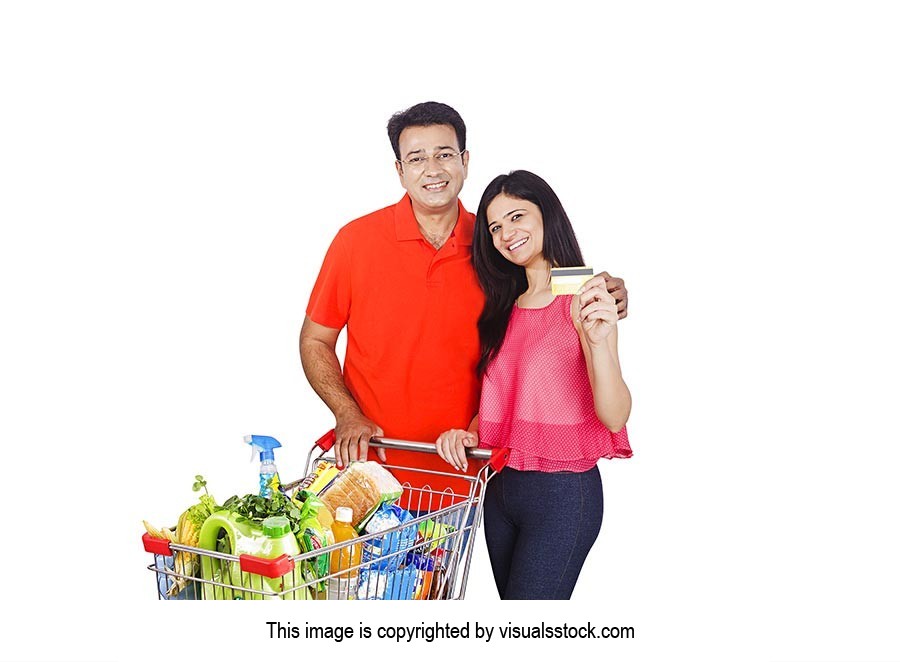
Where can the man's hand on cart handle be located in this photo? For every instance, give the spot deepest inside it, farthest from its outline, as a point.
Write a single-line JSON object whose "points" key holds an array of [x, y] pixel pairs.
{"points": [[452, 445], [352, 432]]}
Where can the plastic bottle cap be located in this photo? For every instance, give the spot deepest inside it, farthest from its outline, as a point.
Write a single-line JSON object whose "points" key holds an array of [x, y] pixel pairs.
{"points": [[276, 526], [343, 514]]}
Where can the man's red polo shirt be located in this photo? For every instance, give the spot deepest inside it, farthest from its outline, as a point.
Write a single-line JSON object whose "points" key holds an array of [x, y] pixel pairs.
{"points": [[412, 340]]}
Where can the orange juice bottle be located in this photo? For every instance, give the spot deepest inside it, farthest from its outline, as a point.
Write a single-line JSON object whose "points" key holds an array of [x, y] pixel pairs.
{"points": [[344, 561]]}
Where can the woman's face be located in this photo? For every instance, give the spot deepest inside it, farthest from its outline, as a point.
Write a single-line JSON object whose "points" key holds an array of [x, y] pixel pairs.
{"points": [[517, 229]]}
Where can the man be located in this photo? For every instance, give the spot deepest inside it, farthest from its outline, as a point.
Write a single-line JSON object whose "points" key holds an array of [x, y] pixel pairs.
{"points": [[401, 281]]}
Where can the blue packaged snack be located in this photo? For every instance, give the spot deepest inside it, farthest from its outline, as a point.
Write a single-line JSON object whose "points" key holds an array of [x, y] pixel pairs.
{"points": [[166, 582], [385, 551], [386, 584]]}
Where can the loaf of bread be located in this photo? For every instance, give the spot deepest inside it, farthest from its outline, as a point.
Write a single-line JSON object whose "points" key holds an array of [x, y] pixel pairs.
{"points": [[363, 486]]}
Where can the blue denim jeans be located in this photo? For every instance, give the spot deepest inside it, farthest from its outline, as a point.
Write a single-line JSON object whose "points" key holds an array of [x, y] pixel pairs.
{"points": [[539, 528]]}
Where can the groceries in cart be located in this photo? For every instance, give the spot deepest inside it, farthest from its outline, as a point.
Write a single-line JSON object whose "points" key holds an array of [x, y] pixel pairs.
{"points": [[343, 581], [348, 534], [268, 472], [362, 487], [272, 539], [182, 565]]}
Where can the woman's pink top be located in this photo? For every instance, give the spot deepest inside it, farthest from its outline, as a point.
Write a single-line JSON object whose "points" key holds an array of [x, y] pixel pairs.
{"points": [[536, 396]]}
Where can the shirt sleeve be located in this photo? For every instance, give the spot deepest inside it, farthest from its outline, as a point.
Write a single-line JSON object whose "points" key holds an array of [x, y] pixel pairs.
{"points": [[329, 303]]}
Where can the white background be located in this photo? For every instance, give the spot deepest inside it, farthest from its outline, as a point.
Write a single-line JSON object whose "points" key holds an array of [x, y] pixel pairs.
{"points": [[172, 173]]}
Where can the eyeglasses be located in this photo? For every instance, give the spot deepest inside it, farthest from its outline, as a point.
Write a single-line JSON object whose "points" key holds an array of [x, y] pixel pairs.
{"points": [[442, 158]]}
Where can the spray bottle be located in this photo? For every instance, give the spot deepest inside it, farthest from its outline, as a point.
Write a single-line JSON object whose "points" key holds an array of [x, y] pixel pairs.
{"points": [[268, 474]]}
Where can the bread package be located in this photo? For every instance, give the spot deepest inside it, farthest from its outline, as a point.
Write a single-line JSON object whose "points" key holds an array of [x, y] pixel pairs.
{"points": [[362, 487]]}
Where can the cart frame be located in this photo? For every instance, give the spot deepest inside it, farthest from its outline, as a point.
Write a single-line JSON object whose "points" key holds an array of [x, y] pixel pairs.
{"points": [[401, 563]]}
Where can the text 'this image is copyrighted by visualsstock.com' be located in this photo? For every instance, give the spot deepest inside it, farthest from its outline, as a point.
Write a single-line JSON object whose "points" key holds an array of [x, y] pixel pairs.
{"points": [[442, 631]]}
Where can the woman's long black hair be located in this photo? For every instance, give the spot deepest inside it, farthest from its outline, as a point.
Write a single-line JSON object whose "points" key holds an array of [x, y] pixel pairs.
{"points": [[501, 280]]}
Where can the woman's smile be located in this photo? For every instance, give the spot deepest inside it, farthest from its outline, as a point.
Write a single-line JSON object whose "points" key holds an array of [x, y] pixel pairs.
{"points": [[516, 244]]}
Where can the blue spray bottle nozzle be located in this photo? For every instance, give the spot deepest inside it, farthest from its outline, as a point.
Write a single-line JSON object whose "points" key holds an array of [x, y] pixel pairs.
{"points": [[264, 445], [268, 474]]}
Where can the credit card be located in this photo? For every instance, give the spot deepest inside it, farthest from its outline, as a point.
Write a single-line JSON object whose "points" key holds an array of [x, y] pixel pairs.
{"points": [[567, 280]]}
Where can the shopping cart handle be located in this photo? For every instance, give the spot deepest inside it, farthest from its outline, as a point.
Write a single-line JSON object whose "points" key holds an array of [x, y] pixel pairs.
{"points": [[497, 457], [326, 441]]}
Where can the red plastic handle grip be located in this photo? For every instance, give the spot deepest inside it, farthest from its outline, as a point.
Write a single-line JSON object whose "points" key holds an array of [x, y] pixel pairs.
{"points": [[326, 441], [271, 568], [499, 458], [156, 545]]}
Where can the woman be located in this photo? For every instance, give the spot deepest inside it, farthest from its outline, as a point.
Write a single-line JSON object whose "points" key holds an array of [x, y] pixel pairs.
{"points": [[552, 392]]}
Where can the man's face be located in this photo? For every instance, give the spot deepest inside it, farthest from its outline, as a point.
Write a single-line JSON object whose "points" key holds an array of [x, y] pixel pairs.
{"points": [[432, 171]]}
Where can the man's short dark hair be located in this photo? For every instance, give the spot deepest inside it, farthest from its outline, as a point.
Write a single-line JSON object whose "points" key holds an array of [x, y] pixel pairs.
{"points": [[425, 114]]}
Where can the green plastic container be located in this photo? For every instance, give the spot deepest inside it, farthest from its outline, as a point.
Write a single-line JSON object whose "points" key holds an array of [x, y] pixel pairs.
{"points": [[270, 541]]}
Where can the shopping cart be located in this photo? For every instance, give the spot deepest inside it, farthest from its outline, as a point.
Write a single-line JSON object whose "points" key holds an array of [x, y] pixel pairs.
{"points": [[426, 557]]}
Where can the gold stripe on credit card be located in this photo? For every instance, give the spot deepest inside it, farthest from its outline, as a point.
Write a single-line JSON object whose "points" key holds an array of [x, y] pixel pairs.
{"points": [[567, 280]]}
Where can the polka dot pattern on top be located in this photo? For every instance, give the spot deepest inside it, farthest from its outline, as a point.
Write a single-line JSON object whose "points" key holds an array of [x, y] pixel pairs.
{"points": [[536, 396]]}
